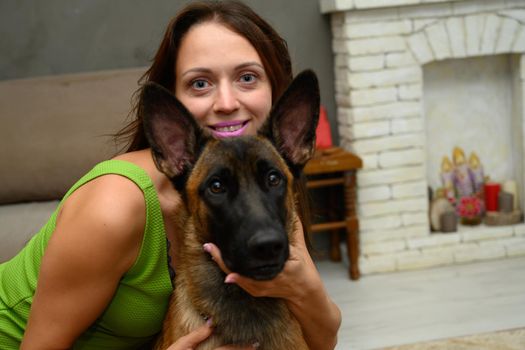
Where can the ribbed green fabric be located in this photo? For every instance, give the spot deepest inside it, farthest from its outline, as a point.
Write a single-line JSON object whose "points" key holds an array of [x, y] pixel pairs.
{"points": [[137, 310]]}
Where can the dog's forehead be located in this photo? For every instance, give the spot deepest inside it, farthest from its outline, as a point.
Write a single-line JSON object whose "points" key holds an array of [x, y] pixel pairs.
{"points": [[240, 152]]}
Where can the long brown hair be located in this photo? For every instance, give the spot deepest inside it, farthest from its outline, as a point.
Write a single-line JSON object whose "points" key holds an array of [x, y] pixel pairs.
{"points": [[238, 17]]}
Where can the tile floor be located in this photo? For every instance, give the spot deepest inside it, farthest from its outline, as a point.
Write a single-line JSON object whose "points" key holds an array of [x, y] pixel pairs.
{"points": [[407, 307]]}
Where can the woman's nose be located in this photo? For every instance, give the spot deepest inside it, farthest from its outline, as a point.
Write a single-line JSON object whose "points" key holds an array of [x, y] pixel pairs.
{"points": [[226, 100]]}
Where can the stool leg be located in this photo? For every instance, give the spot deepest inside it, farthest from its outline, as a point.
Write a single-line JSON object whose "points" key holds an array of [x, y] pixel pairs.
{"points": [[335, 249], [335, 241], [352, 242], [352, 224]]}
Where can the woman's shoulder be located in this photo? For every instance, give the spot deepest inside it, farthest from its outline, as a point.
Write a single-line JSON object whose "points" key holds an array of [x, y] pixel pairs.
{"points": [[109, 198], [113, 184], [116, 197], [166, 193], [112, 199], [143, 159], [106, 214]]}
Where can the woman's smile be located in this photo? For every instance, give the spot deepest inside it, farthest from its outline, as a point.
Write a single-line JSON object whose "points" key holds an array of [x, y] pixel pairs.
{"points": [[229, 129]]}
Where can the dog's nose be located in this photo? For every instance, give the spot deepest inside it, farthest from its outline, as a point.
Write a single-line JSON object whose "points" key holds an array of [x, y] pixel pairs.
{"points": [[266, 244]]}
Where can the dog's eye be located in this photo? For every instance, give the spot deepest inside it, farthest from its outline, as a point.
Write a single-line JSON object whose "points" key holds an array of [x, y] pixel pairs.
{"points": [[274, 179], [216, 186]]}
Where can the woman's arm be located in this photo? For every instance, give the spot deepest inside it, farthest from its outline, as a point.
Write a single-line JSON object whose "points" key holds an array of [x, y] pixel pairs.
{"points": [[97, 239], [302, 288]]}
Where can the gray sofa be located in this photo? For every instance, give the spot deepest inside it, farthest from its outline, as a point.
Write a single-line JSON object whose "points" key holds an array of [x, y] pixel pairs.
{"points": [[52, 131]]}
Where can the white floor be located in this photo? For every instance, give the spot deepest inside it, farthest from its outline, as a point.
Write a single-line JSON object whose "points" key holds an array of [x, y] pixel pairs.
{"points": [[407, 307]]}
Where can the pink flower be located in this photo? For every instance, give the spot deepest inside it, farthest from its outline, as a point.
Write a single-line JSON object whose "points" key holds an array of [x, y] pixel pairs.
{"points": [[469, 207]]}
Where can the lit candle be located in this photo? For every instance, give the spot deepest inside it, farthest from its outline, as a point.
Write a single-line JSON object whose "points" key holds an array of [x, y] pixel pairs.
{"points": [[491, 196]]}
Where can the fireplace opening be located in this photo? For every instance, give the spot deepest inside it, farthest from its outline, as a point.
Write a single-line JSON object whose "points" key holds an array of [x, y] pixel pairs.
{"points": [[473, 111]]}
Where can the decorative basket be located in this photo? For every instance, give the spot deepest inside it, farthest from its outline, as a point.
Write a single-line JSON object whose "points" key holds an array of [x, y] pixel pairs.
{"points": [[494, 218]]}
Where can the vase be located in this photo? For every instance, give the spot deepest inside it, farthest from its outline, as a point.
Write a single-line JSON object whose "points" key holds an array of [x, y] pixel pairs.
{"points": [[471, 220]]}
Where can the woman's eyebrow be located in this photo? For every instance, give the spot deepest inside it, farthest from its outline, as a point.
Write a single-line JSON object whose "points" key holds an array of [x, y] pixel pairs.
{"points": [[196, 70], [250, 64], [208, 70]]}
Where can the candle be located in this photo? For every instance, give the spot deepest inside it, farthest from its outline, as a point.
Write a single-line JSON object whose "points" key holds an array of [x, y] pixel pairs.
{"points": [[491, 196], [510, 186], [462, 179], [505, 202], [447, 178], [448, 222], [476, 172]]}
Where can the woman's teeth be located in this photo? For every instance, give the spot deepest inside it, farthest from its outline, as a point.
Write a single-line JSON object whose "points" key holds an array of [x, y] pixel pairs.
{"points": [[231, 128]]}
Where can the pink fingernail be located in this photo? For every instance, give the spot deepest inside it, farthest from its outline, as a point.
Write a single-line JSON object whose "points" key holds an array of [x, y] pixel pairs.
{"points": [[229, 279], [207, 247]]}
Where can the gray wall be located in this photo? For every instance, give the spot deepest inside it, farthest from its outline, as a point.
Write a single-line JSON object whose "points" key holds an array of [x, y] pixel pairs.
{"points": [[67, 36]]}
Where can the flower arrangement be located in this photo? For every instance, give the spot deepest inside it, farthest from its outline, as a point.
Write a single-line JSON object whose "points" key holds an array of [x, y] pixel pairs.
{"points": [[469, 209]]}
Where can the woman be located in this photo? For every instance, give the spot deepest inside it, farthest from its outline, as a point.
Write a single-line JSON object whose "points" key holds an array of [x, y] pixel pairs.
{"points": [[98, 274]]}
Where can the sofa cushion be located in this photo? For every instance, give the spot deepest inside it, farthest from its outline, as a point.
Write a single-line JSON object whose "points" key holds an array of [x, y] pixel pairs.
{"points": [[54, 129], [20, 222]]}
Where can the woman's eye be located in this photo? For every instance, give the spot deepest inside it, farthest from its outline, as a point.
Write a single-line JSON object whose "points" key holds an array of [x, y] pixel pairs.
{"points": [[199, 84], [248, 78], [274, 179], [217, 187]]}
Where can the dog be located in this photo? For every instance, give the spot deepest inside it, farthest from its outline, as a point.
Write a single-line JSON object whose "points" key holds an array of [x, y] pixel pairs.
{"points": [[239, 194]]}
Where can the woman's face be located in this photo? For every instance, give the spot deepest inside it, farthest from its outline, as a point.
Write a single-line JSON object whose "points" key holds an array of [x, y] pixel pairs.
{"points": [[221, 81]]}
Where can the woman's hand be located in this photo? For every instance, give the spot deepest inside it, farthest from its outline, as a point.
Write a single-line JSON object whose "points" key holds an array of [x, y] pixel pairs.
{"points": [[297, 278], [193, 339], [300, 285]]}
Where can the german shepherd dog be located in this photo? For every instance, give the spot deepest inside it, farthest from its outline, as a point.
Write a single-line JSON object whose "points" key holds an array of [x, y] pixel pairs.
{"points": [[237, 193]]}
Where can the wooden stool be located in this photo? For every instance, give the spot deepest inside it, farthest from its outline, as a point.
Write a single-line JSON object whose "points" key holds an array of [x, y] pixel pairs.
{"points": [[336, 166]]}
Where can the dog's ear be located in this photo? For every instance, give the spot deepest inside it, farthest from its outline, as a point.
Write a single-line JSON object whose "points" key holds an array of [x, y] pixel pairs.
{"points": [[174, 136], [293, 120]]}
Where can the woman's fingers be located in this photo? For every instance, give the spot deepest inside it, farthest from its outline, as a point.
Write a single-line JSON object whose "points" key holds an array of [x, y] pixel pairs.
{"points": [[215, 253], [193, 339], [231, 347]]}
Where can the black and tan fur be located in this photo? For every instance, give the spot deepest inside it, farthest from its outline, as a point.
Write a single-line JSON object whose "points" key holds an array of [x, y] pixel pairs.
{"points": [[237, 193]]}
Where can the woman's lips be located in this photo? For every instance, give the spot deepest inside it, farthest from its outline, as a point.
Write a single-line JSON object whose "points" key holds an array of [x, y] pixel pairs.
{"points": [[229, 129]]}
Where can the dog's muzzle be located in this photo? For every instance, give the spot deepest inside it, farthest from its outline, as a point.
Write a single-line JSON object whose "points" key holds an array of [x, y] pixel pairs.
{"points": [[267, 252]]}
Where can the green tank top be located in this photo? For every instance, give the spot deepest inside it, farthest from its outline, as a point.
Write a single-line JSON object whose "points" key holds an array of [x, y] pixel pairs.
{"points": [[136, 311]]}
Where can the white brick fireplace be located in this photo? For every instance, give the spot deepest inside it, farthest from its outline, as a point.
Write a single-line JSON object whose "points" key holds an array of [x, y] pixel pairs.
{"points": [[383, 50]]}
